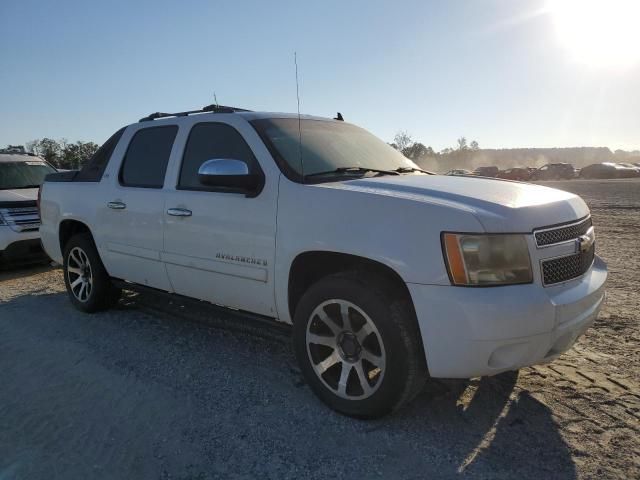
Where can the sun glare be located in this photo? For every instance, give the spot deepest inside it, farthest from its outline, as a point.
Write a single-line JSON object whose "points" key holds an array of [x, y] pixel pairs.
{"points": [[599, 33]]}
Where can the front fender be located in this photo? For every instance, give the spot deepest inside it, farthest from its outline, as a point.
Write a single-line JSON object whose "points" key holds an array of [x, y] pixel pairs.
{"points": [[402, 234]]}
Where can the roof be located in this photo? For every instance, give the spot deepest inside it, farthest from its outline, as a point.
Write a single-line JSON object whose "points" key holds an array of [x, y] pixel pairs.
{"points": [[261, 115], [224, 110]]}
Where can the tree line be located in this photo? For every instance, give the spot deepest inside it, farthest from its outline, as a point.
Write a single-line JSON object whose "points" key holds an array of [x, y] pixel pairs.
{"points": [[62, 153], [73, 155], [469, 155], [416, 150], [459, 156]]}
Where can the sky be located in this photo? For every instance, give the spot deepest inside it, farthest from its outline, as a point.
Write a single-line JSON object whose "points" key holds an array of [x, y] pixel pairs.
{"points": [[507, 73]]}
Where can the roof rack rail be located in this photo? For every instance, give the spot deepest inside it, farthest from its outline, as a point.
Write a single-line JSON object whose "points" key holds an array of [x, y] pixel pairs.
{"points": [[208, 109]]}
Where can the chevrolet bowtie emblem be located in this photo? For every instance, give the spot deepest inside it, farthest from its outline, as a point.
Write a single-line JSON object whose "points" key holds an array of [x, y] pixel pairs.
{"points": [[585, 242]]}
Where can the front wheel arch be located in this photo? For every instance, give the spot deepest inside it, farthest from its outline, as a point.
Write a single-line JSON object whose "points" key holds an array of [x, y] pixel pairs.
{"points": [[397, 336], [311, 266]]}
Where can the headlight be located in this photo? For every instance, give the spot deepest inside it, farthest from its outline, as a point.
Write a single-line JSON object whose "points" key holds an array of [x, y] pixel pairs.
{"points": [[485, 260]]}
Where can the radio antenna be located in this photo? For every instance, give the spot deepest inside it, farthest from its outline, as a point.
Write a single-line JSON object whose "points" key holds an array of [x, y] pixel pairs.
{"points": [[295, 61]]}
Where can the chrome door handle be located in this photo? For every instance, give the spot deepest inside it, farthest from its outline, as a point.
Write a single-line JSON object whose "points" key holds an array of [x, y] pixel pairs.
{"points": [[117, 205], [179, 212]]}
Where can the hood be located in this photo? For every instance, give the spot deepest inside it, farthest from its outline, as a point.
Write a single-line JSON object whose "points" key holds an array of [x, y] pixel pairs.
{"points": [[18, 195], [499, 205]]}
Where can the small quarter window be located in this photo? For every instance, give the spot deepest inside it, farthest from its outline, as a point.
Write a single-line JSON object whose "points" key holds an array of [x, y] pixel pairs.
{"points": [[93, 170], [145, 163], [209, 141]]}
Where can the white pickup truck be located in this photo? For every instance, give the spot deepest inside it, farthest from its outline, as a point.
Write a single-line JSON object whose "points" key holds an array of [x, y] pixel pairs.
{"points": [[389, 274]]}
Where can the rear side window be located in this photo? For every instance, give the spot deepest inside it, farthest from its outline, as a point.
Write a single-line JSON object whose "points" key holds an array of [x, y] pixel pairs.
{"points": [[145, 162], [209, 141], [93, 170]]}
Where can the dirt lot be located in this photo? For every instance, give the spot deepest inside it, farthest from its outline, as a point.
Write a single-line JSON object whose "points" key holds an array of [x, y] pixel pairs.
{"points": [[157, 390]]}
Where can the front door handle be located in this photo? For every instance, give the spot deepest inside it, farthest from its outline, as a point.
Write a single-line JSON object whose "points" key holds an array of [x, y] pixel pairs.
{"points": [[179, 212], [117, 205]]}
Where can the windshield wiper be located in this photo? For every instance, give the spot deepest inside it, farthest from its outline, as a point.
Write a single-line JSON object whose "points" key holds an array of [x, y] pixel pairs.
{"points": [[25, 186], [412, 169], [352, 170]]}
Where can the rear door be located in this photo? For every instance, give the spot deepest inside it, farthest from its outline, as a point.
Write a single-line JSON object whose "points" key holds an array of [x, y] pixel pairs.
{"points": [[223, 250], [131, 212]]}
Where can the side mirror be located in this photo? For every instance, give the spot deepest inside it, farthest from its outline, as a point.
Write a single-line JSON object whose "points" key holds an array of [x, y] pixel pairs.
{"points": [[228, 173]]}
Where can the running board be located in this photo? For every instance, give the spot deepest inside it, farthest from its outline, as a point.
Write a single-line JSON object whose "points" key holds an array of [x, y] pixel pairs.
{"points": [[214, 315]]}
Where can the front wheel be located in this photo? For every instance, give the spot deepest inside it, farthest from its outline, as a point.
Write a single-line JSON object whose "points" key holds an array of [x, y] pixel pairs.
{"points": [[88, 284], [358, 345]]}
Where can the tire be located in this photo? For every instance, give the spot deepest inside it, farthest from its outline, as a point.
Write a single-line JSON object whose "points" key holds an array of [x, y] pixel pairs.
{"points": [[88, 284], [381, 345]]}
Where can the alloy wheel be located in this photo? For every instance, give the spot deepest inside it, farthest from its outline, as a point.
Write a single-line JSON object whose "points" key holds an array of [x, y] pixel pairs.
{"points": [[79, 274], [345, 349]]}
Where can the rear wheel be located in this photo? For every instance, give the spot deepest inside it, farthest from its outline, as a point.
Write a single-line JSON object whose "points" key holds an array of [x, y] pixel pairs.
{"points": [[88, 284], [358, 345]]}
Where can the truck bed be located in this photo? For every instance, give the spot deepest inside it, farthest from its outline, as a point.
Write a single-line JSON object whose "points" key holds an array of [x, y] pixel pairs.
{"points": [[62, 176]]}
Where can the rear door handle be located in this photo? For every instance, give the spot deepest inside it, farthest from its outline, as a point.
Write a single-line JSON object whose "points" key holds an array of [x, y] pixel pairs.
{"points": [[117, 205], [179, 212]]}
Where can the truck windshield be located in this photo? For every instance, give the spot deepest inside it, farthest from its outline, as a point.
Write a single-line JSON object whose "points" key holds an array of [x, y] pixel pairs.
{"points": [[28, 174], [333, 147]]}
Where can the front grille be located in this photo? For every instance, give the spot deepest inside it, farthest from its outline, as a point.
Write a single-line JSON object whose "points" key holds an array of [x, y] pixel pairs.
{"points": [[562, 234], [566, 268], [26, 219]]}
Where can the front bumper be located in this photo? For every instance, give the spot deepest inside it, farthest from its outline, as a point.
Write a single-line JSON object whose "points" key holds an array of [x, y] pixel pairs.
{"points": [[8, 236], [471, 332], [19, 246]]}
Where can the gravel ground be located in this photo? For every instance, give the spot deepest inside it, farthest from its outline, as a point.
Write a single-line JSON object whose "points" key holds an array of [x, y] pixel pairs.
{"points": [[157, 389]]}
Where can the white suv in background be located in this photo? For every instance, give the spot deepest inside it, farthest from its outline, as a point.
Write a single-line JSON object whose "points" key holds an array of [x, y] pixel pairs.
{"points": [[388, 273], [21, 175]]}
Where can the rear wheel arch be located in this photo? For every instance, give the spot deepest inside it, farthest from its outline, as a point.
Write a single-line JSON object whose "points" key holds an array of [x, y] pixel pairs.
{"points": [[88, 284], [69, 228]]}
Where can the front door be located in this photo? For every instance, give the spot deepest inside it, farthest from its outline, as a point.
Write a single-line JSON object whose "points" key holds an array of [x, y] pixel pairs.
{"points": [[219, 244]]}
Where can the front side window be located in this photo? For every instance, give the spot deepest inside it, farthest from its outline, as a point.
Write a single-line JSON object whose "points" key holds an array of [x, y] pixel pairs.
{"points": [[145, 163], [28, 174], [317, 146], [209, 141]]}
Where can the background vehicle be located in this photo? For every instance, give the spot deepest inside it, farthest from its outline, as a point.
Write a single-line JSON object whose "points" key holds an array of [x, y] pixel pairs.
{"points": [[516, 173], [554, 171], [20, 176], [607, 170], [460, 171], [188, 203], [486, 171], [633, 167]]}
